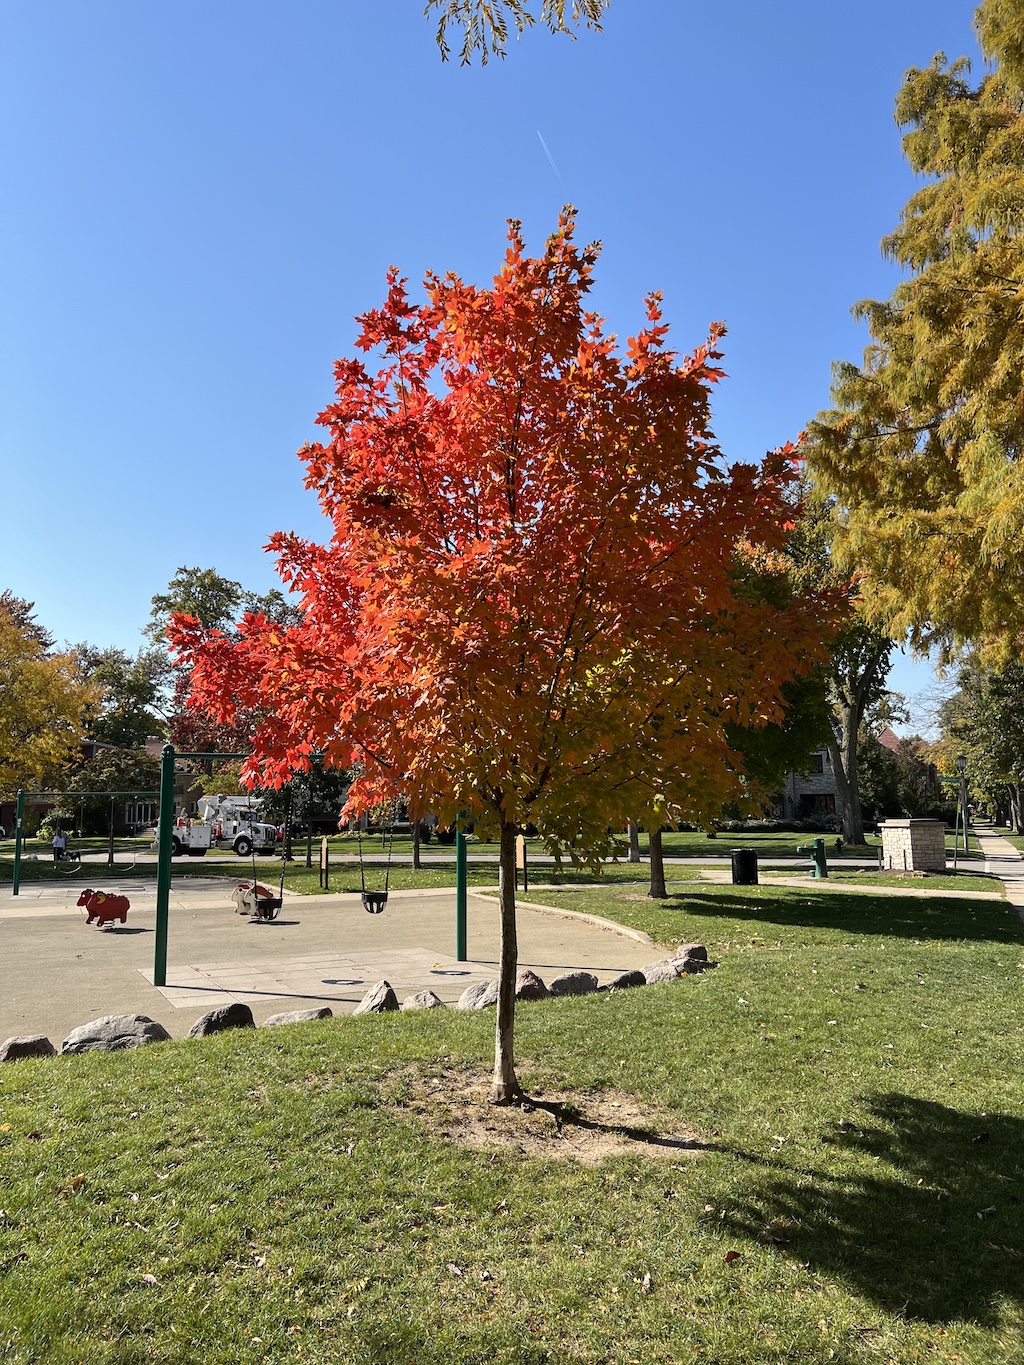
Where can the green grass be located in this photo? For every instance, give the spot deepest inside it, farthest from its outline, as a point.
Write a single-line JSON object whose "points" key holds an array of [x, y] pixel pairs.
{"points": [[851, 1069], [930, 881], [1017, 840]]}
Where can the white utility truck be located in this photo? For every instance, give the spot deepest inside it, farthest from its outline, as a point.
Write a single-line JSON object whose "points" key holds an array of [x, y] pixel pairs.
{"points": [[223, 822]]}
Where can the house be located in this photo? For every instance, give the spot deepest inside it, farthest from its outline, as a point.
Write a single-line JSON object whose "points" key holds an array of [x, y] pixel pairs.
{"points": [[808, 793]]}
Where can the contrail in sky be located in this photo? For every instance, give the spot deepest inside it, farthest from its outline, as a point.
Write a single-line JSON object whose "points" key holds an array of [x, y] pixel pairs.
{"points": [[552, 160]]}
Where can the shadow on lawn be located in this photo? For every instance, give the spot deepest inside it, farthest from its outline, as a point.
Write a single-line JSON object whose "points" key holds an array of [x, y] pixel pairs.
{"points": [[893, 916], [940, 1238]]}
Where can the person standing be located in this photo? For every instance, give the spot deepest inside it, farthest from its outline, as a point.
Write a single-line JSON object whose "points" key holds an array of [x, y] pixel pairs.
{"points": [[59, 844]]}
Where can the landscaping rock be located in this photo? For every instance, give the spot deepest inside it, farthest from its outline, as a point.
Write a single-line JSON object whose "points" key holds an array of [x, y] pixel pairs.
{"points": [[298, 1017], [529, 986], [667, 970], [27, 1045], [423, 1000], [114, 1033], [574, 983], [219, 1021], [625, 981], [379, 999], [686, 950], [692, 965], [478, 997]]}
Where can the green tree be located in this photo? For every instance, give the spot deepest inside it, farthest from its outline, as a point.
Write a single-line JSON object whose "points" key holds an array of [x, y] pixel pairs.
{"points": [[203, 593], [44, 702], [859, 656], [113, 770], [485, 23], [984, 720], [128, 709], [216, 602], [922, 448]]}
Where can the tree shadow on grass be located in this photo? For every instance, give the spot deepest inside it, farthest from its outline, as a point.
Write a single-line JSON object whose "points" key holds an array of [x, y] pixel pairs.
{"points": [[893, 916], [939, 1238]]}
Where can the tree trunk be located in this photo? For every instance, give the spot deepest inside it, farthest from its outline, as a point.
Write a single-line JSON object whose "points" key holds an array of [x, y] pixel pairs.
{"points": [[843, 752], [634, 842], [853, 686], [657, 890], [416, 846], [505, 1087], [309, 843], [1015, 811]]}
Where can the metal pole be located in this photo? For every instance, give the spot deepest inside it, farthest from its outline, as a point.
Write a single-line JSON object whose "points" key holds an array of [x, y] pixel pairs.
{"points": [[163, 864], [966, 817], [19, 817], [461, 951]]}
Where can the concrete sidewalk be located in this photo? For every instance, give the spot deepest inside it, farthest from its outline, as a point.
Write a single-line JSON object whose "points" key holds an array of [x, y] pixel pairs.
{"points": [[1004, 862], [57, 973]]}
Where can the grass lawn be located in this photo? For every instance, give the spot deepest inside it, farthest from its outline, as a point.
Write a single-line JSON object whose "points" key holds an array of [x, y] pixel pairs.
{"points": [[344, 877], [928, 881], [1017, 840], [850, 1071]]}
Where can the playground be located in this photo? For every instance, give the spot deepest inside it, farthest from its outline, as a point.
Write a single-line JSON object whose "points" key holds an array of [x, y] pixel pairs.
{"points": [[320, 950]]}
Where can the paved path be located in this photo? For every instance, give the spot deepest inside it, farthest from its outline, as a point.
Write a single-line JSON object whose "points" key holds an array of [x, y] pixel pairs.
{"points": [[56, 973], [1003, 860]]}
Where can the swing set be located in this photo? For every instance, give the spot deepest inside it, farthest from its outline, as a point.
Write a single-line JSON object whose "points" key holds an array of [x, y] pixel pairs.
{"points": [[268, 905], [70, 860]]}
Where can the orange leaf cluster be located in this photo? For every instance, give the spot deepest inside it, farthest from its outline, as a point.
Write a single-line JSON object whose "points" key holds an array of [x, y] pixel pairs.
{"points": [[528, 607]]}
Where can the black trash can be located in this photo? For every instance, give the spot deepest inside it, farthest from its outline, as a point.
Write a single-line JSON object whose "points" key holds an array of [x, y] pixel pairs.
{"points": [[744, 866]]}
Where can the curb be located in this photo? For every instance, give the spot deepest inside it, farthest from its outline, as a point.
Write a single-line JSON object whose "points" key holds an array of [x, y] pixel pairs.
{"points": [[598, 921]]}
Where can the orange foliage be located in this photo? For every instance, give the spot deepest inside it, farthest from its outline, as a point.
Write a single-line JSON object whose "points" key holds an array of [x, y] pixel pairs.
{"points": [[528, 608]]}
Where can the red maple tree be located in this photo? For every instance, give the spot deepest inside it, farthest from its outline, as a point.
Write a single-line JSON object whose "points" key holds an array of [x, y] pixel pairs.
{"points": [[536, 601]]}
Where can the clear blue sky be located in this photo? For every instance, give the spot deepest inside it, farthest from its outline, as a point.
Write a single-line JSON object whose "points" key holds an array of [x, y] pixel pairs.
{"points": [[198, 197]]}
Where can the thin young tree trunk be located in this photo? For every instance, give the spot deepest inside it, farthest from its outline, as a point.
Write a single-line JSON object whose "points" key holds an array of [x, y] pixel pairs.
{"points": [[415, 845], [505, 1087], [634, 842], [657, 890]]}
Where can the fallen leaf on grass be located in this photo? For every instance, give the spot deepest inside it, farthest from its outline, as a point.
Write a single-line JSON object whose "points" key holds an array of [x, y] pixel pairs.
{"points": [[454, 1269], [150, 1280], [731, 1256]]}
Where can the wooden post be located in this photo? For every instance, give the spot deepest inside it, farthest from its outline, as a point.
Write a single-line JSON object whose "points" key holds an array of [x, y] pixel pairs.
{"points": [[521, 862], [325, 865]]}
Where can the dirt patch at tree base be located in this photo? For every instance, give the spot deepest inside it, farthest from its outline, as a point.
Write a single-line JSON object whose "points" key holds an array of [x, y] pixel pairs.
{"points": [[588, 1128]]}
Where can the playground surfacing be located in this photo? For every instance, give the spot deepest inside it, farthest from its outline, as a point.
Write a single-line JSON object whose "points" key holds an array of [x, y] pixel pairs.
{"points": [[57, 973]]}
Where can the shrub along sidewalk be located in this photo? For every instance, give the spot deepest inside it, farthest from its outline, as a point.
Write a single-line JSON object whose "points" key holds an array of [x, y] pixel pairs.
{"points": [[305, 1194]]}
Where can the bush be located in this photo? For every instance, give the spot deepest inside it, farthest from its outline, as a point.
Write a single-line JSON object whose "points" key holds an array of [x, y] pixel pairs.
{"points": [[943, 810], [57, 817]]}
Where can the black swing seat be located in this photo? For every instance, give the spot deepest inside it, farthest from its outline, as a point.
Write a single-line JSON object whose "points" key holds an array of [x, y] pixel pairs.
{"points": [[267, 908], [374, 901]]}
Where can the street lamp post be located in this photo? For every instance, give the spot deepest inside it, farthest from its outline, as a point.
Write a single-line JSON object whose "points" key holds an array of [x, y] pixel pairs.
{"points": [[961, 767]]}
